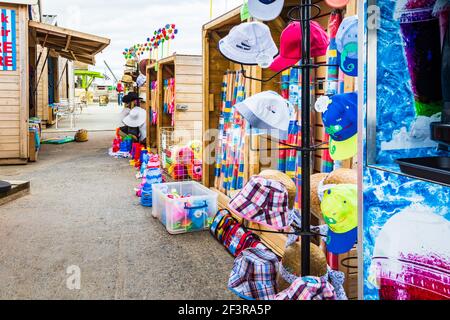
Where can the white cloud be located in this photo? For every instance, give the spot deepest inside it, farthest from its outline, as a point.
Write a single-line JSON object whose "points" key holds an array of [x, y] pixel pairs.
{"points": [[133, 21]]}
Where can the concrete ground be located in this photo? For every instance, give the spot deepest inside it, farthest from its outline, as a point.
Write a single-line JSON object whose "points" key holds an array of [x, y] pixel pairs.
{"points": [[82, 212], [92, 118]]}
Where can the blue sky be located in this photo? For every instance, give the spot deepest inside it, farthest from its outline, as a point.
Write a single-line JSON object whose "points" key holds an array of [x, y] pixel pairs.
{"points": [[127, 22]]}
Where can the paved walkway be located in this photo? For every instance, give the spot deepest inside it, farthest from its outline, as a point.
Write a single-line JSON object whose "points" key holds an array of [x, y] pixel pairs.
{"points": [[82, 212]]}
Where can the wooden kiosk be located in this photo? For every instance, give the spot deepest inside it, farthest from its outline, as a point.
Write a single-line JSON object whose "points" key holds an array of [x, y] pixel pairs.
{"points": [[16, 85], [188, 102]]}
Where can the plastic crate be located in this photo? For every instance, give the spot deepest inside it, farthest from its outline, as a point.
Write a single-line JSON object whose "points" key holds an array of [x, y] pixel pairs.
{"points": [[183, 215]]}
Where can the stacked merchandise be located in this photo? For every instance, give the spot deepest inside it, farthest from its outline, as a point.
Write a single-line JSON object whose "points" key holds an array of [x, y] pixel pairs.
{"points": [[184, 207], [269, 199], [169, 98], [154, 103], [182, 162], [150, 173], [229, 173]]}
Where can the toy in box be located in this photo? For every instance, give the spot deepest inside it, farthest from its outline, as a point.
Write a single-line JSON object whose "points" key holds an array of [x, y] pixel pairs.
{"points": [[184, 207]]}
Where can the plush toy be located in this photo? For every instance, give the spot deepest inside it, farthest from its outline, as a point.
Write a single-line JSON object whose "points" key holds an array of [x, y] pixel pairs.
{"points": [[180, 172], [196, 147], [185, 156], [196, 170]]}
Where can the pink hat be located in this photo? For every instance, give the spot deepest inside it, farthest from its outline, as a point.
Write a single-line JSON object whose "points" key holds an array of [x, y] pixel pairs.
{"points": [[337, 3], [291, 45]]}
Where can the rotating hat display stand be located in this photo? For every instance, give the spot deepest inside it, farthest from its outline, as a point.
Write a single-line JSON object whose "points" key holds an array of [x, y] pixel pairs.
{"points": [[304, 17]]}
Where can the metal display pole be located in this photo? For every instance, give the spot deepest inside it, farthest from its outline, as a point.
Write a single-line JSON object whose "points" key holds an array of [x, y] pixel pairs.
{"points": [[305, 14]]}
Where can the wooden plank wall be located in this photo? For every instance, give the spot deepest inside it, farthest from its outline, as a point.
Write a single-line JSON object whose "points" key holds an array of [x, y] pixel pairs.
{"points": [[188, 86], [14, 96], [42, 90], [152, 135]]}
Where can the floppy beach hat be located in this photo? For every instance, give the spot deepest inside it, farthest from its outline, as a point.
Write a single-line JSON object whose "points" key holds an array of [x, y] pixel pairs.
{"points": [[291, 41], [254, 275], [136, 118], [340, 118], [265, 10], [249, 43], [347, 46], [340, 211], [267, 110], [337, 3], [132, 96], [264, 202]]}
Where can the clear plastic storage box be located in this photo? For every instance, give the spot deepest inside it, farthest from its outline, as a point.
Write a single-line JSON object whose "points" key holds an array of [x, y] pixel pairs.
{"points": [[182, 215]]}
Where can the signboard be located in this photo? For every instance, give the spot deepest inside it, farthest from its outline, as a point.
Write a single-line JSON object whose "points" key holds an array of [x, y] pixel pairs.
{"points": [[8, 52]]}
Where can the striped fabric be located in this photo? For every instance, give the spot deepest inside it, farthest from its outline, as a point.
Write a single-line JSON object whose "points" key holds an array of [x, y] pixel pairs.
{"points": [[264, 202], [254, 275], [8, 55]]}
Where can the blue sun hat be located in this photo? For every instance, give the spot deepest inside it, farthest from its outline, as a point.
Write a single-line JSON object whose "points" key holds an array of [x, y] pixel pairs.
{"points": [[347, 46]]}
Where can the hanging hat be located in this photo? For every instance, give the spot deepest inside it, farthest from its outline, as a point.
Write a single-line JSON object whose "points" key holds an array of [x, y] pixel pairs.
{"points": [[342, 176], [337, 4], [136, 118], [347, 46], [283, 178], [316, 179], [265, 10], [291, 264], [249, 43], [254, 275], [130, 63], [127, 78], [143, 66], [264, 202], [340, 211], [267, 110], [291, 45], [132, 96], [340, 118]]}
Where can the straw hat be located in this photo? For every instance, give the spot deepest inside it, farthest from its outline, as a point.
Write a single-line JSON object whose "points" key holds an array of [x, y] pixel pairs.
{"points": [[130, 63], [285, 180], [81, 136], [292, 263], [342, 176], [127, 79], [315, 200]]}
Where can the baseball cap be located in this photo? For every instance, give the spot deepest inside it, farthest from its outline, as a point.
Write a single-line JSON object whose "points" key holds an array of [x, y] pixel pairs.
{"points": [[291, 42], [340, 211], [265, 10], [340, 118], [347, 46], [267, 110], [249, 43], [337, 3]]}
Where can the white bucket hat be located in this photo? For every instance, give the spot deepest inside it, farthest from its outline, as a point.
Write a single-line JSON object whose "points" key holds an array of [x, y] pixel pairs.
{"points": [[136, 118], [249, 43], [265, 10], [268, 111]]}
